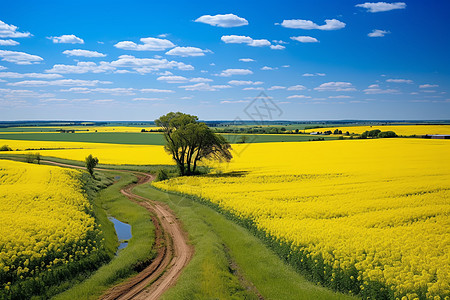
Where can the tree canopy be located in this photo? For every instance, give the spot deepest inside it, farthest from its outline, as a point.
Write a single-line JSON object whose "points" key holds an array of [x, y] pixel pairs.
{"points": [[190, 141]]}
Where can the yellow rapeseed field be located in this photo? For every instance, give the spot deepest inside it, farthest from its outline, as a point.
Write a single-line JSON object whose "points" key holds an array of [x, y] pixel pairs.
{"points": [[106, 153], [398, 129], [84, 128], [368, 216], [46, 222]]}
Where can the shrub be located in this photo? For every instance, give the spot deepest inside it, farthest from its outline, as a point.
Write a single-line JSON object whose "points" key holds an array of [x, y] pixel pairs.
{"points": [[5, 148]]}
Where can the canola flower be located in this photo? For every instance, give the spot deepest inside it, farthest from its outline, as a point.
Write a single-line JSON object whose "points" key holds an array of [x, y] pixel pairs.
{"points": [[46, 221], [367, 216], [84, 128], [118, 154], [398, 129]]}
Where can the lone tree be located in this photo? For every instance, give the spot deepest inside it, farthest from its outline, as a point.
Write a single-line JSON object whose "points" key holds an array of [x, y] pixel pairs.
{"points": [[91, 163], [190, 141]]}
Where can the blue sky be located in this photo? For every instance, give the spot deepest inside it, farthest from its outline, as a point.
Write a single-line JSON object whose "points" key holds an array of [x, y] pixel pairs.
{"points": [[137, 60]]}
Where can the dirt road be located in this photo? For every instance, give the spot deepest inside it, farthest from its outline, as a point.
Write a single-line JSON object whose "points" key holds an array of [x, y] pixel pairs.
{"points": [[173, 250]]}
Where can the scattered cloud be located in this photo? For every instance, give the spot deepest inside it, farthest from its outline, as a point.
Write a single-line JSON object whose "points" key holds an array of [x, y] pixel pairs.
{"points": [[20, 58], [267, 68], [373, 86], [115, 91], [340, 97], [82, 67], [297, 87], [148, 99], [29, 75], [3, 68], [378, 33], [244, 82], [298, 97], [203, 87], [187, 51], [156, 91], [241, 39], [231, 72], [8, 43], [173, 79], [304, 39], [427, 86], [84, 53], [313, 74], [373, 91], [399, 80], [10, 31], [332, 24], [181, 79], [246, 59], [277, 47], [148, 65], [227, 20], [148, 44], [374, 7], [276, 87], [233, 101], [61, 82], [253, 89], [66, 39], [335, 87]]}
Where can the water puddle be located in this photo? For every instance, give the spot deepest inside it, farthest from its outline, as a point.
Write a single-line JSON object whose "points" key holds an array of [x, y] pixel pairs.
{"points": [[123, 231]]}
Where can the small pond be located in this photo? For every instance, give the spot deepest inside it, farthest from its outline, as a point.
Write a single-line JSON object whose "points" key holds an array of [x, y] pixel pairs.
{"points": [[123, 231]]}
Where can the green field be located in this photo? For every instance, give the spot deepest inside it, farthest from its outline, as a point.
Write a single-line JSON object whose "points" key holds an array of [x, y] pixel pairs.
{"points": [[133, 138]]}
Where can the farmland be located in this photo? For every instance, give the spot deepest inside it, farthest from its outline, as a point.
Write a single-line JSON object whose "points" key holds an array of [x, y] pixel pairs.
{"points": [[365, 217], [369, 217]]}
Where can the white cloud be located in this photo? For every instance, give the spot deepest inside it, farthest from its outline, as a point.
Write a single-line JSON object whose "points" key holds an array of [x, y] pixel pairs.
{"points": [[267, 68], [298, 97], [84, 53], [374, 91], [399, 80], [279, 42], [246, 59], [332, 24], [187, 51], [298, 87], [241, 39], [115, 91], [148, 44], [233, 101], [304, 39], [427, 86], [77, 90], [82, 67], [253, 89], [313, 74], [244, 82], [3, 68], [374, 7], [203, 87], [29, 75], [10, 31], [374, 86], [61, 82], [231, 72], [66, 39], [277, 47], [148, 65], [8, 43], [276, 87], [340, 97], [20, 58], [335, 87], [200, 79], [378, 33], [227, 20], [172, 79], [148, 99], [156, 91]]}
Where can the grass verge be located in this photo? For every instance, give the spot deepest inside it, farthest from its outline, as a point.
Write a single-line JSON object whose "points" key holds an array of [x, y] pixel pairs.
{"points": [[229, 262]]}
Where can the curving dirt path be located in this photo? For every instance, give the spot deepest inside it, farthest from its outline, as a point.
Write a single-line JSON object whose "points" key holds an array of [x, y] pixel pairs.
{"points": [[173, 250]]}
